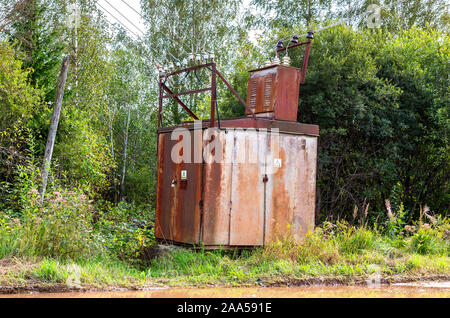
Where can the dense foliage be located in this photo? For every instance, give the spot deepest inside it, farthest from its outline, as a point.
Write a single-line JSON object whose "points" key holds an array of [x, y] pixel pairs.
{"points": [[383, 109]]}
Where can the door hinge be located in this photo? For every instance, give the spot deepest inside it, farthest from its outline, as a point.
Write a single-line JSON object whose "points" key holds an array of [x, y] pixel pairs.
{"points": [[265, 178]]}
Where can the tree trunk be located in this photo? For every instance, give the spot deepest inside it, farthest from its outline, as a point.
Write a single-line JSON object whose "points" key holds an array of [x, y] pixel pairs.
{"points": [[135, 143], [113, 158], [308, 19], [53, 126], [77, 68], [125, 145]]}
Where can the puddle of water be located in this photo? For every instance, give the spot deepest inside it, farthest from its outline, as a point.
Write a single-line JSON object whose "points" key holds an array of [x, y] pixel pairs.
{"points": [[411, 290], [426, 284]]}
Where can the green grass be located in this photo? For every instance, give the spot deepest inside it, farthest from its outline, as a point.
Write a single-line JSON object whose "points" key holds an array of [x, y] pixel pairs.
{"points": [[339, 251], [94, 273]]}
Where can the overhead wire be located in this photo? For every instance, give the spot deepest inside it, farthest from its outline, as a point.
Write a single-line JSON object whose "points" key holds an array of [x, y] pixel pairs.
{"points": [[103, 8], [142, 17], [173, 57], [128, 29], [318, 30], [137, 28], [133, 9], [141, 57]]}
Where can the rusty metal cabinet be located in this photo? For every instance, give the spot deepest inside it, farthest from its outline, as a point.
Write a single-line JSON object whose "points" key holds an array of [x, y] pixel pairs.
{"points": [[239, 202]]}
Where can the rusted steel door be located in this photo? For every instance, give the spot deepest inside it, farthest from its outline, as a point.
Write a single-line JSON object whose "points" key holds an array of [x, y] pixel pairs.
{"points": [[178, 195], [290, 188], [247, 188]]}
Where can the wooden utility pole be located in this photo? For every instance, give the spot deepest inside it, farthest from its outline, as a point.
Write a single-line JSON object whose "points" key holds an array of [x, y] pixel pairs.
{"points": [[53, 126]]}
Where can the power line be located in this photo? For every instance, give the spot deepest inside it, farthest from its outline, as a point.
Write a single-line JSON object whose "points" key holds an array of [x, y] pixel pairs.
{"points": [[117, 20], [180, 46], [113, 25], [142, 17], [125, 17], [341, 21], [140, 56], [137, 36], [132, 9]]}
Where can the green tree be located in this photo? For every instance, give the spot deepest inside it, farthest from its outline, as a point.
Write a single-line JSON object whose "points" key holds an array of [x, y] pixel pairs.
{"points": [[132, 117], [396, 15], [20, 103], [417, 62], [38, 28], [286, 13]]}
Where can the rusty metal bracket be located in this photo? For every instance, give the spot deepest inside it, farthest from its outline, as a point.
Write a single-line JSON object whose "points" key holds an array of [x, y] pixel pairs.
{"points": [[188, 92], [236, 94], [305, 59], [212, 89], [292, 46], [173, 95], [192, 68]]}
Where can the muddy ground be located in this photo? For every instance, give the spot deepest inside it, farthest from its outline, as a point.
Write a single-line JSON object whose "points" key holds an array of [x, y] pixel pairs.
{"points": [[31, 286]]}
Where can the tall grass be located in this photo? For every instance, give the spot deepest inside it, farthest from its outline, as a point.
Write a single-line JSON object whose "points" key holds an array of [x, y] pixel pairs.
{"points": [[331, 250], [429, 241], [354, 240], [60, 229]]}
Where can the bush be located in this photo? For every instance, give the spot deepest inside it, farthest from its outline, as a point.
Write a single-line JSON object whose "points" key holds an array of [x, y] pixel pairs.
{"points": [[428, 241], [127, 229], [356, 240], [62, 228]]}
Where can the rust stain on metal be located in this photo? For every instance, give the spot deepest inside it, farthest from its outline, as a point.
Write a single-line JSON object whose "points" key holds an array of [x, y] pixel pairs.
{"points": [[177, 208], [242, 202], [247, 210]]}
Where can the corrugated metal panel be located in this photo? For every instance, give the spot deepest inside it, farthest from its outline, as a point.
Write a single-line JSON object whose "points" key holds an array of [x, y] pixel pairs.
{"points": [[288, 85], [305, 198], [275, 90]]}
